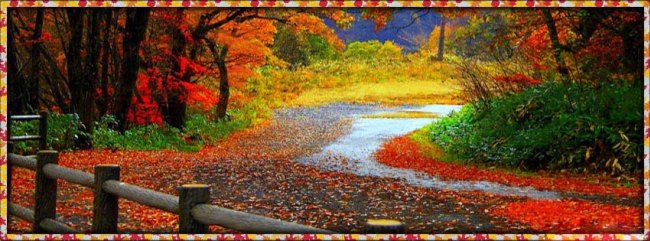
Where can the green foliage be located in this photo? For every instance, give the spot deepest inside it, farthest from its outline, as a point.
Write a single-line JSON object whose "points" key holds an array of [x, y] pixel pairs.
{"points": [[205, 130], [301, 49], [317, 48], [551, 126], [373, 50], [287, 47], [62, 132], [150, 137], [200, 130]]}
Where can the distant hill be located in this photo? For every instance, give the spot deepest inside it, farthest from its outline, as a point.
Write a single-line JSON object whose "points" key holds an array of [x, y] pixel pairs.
{"points": [[401, 29]]}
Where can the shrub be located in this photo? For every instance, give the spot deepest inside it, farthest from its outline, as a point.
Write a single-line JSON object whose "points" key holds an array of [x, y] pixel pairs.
{"points": [[373, 50], [200, 129], [287, 47], [149, 137], [62, 133], [318, 48], [552, 126]]}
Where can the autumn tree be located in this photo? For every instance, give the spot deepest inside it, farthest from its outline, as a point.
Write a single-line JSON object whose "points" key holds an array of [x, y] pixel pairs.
{"points": [[229, 43], [136, 26], [97, 62]]}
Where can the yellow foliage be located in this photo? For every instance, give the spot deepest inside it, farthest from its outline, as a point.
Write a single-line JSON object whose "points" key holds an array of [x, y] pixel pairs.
{"points": [[430, 48], [411, 80]]}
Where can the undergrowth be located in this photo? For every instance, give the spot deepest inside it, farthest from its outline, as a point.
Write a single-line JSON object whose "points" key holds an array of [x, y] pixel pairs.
{"points": [[573, 127]]}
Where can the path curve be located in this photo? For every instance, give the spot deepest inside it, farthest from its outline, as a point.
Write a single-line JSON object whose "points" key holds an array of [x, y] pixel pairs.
{"points": [[353, 152]]}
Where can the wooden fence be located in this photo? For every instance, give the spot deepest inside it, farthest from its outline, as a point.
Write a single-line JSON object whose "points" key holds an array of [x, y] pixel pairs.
{"points": [[42, 130], [192, 203]]}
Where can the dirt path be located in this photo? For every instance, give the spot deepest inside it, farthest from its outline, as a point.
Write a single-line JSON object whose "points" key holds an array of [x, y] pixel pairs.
{"points": [[316, 166], [354, 153], [265, 180], [263, 170]]}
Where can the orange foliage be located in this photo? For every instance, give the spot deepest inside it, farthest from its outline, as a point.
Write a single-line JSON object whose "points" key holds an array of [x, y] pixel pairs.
{"points": [[571, 216], [403, 152], [248, 46], [315, 25]]}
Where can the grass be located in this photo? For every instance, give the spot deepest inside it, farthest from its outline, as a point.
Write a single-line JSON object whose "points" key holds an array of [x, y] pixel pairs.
{"points": [[418, 92], [402, 114], [413, 80], [428, 148], [553, 127]]}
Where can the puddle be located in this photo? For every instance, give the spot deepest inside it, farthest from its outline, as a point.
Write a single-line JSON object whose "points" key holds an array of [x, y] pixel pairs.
{"points": [[353, 153]]}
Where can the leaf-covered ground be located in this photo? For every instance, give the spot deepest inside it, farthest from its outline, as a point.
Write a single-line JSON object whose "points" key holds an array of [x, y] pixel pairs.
{"points": [[590, 204], [254, 171]]}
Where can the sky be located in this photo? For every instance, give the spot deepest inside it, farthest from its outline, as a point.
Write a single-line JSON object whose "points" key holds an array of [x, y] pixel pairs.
{"points": [[397, 30]]}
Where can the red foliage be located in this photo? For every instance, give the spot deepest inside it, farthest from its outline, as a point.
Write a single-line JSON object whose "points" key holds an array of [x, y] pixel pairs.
{"points": [[200, 96], [564, 216], [144, 109], [187, 64], [517, 79], [403, 152]]}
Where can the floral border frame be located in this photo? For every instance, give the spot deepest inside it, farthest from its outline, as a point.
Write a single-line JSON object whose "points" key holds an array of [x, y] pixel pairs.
{"points": [[4, 4]]}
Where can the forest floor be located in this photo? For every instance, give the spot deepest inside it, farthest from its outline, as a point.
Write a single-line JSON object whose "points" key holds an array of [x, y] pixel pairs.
{"points": [[288, 168]]}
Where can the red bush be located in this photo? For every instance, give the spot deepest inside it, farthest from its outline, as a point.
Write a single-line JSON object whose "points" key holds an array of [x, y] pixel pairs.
{"points": [[517, 78]]}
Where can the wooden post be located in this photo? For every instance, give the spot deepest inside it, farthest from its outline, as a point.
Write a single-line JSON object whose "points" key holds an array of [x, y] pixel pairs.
{"points": [[42, 131], [9, 150], [45, 194], [189, 196], [384, 226], [105, 208]]}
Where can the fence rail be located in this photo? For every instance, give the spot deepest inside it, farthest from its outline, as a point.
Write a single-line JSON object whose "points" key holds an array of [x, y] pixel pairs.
{"points": [[42, 130], [192, 204], [48, 224], [26, 117]]}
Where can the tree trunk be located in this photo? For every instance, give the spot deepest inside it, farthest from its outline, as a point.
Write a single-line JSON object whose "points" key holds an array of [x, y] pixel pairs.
{"points": [[17, 91], [73, 59], [136, 27], [174, 108], [632, 38], [35, 63], [224, 88], [441, 38], [103, 99], [86, 102], [555, 43]]}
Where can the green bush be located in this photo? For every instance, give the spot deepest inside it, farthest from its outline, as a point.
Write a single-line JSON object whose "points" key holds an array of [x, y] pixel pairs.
{"points": [[552, 126], [318, 48], [373, 50], [301, 48], [287, 47], [150, 137], [200, 127], [63, 131], [200, 130]]}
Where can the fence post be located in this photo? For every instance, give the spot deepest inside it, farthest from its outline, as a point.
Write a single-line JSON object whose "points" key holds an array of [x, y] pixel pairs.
{"points": [[105, 208], [45, 194], [384, 226], [42, 131], [189, 196]]}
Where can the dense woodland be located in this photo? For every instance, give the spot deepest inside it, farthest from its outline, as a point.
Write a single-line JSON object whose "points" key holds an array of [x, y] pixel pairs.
{"points": [[91, 62]]}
